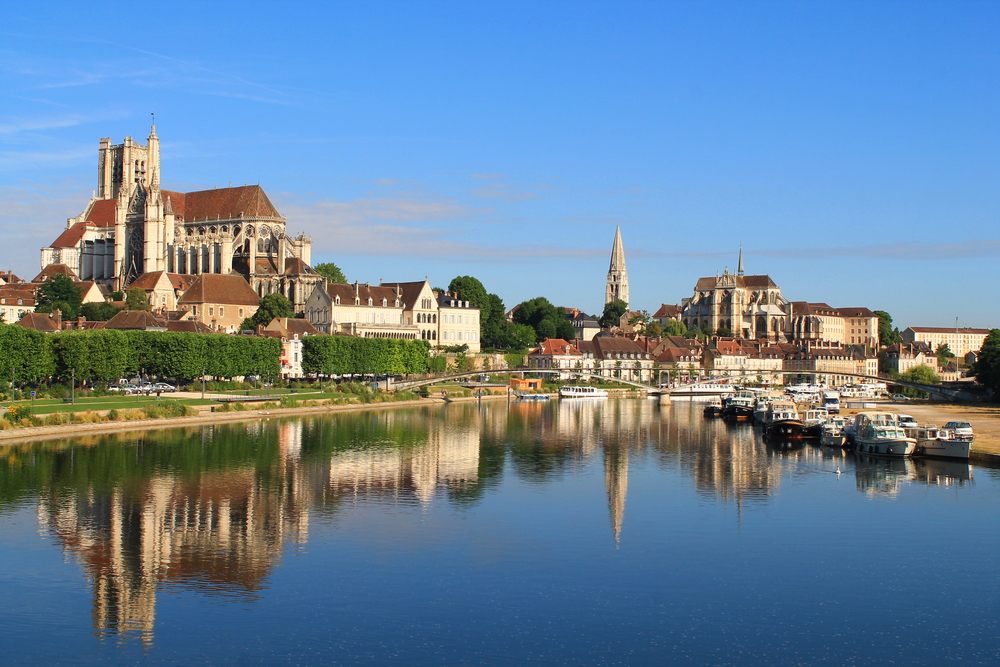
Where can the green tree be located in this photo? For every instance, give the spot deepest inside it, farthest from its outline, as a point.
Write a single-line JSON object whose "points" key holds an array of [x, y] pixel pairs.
{"points": [[98, 312], [921, 374], [59, 292], [135, 299], [613, 311], [271, 306], [674, 328], [331, 272], [944, 354], [547, 320], [987, 367], [887, 334]]}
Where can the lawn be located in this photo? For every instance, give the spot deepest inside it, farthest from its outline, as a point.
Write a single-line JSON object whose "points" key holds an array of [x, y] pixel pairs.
{"points": [[86, 403]]}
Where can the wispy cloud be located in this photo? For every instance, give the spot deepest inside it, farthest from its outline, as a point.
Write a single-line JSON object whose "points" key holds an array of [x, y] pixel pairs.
{"points": [[498, 186]]}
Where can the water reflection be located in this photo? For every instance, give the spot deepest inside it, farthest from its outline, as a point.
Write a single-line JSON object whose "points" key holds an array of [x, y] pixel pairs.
{"points": [[213, 508]]}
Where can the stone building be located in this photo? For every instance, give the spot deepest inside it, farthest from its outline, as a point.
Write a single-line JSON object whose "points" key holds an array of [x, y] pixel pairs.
{"points": [[842, 326], [617, 283], [960, 340], [221, 302], [458, 322], [132, 226], [745, 306]]}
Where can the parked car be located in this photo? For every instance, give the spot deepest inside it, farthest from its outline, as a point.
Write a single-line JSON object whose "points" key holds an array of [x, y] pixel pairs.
{"points": [[164, 387], [961, 429], [900, 397], [906, 421]]}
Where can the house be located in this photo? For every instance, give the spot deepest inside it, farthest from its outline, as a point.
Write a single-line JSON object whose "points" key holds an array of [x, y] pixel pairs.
{"points": [[136, 320], [840, 326], [359, 310], [901, 357], [665, 313], [458, 322], [558, 354], [220, 301], [291, 331], [622, 358], [44, 322], [586, 326], [16, 299], [162, 289], [8, 278]]}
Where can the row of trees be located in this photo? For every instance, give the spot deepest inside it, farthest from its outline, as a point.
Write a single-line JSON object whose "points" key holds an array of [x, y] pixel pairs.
{"points": [[348, 355], [104, 355]]}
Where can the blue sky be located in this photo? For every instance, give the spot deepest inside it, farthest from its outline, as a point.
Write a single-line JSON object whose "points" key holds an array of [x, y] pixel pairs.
{"points": [[852, 148]]}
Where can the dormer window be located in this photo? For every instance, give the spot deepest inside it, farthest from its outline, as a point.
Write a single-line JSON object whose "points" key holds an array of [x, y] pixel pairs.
{"points": [[384, 302], [370, 301], [336, 301]]}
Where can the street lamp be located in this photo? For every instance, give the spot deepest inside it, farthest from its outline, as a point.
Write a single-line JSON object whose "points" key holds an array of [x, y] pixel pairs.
{"points": [[203, 383]]}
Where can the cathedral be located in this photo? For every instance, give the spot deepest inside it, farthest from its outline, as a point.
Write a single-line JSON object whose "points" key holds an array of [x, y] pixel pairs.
{"points": [[132, 227]]}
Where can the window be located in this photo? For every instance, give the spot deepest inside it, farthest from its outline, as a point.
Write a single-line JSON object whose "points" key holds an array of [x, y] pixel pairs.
{"points": [[211, 311], [241, 312], [222, 311]]}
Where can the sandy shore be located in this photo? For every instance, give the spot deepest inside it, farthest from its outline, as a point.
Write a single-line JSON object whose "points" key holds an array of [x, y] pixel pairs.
{"points": [[38, 433]]}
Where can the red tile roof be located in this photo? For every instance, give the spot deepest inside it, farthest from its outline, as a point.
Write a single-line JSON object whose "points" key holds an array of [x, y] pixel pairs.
{"points": [[53, 270], [248, 201], [9, 277], [135, 319], [38, 322], [557, 346], [667, 310], [217, 288], [70, 237], [951, 330], [101, 213]]}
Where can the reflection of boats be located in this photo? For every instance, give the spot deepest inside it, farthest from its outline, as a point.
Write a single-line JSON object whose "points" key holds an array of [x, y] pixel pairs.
{"points": [[942, 473], [571, 391], [760, 410], [939, 443], [878, 433], [881, 476], [782, 422], [739, 406], [702, 390], [832, 434]]}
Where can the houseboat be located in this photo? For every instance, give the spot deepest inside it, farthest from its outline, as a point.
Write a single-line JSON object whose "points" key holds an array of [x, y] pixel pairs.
{"points": [[701, 391], [739, 406], [814, 420], [782, 422], [832, 434], [940, 443]]}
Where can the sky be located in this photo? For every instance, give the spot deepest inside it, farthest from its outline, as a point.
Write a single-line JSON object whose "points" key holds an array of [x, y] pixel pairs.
{"points": [[851, 148]]}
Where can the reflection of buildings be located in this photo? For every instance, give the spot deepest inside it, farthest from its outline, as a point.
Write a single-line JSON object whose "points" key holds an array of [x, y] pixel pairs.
{"points": [[450, 457], [225, 528], [616, 485]]}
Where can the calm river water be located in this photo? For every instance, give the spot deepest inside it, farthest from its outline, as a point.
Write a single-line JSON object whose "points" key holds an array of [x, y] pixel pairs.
{"points": [[567, 532]]}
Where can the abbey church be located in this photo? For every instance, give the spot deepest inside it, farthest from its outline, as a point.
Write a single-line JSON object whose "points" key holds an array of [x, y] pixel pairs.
{"points": [[133, 227]]}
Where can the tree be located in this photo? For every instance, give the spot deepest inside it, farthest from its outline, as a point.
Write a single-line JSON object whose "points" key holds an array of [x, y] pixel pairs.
{"points": [[987, 367], [59, 292], [98, 312], [612, 315], [493, 326], [921, 374], [674, 328], [547, 320], [331, 272], [271, 306], [943, 354], [887, 334], [135, 299]]}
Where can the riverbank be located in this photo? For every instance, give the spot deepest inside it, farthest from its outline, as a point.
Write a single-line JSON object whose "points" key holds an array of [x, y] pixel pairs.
{"points": [[55, 432]]}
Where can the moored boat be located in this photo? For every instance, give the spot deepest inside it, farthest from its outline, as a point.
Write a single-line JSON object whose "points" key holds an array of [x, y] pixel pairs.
{"points": [[814, 420], [702, 391], [878, 433], [940, 443], [782, 422], [739, 406], [572, 391], [832, 434]]}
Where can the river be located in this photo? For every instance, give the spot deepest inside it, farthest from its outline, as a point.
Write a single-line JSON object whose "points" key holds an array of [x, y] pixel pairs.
{"points": [[565, 532]]}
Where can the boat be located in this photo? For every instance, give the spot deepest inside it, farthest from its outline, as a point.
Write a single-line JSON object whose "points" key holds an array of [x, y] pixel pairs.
{"points": [[814, 420], [713, 409], [532, 397], [760, 410], [739, 406], [878, 433], [571, 391], [702, 390], [940, 443], [832, 434], [782, 422]]}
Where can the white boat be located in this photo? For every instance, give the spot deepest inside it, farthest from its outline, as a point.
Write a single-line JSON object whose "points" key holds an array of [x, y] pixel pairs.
{"points": [[814, 420], [532, 397], [571, 391], [940, 443], [760, 410], [833, 433], [700, 390], [878, 433]]}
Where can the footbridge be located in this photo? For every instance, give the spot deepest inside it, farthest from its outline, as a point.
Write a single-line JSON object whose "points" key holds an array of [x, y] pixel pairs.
{"points": [[937, 391]]}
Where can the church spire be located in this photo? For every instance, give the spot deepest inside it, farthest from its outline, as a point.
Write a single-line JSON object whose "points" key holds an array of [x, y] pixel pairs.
{"points": [[617, 285], [739, 263]]}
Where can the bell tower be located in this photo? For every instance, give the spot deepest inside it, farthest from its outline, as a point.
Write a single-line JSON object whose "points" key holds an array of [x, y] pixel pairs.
{"points": [[617, 285]]}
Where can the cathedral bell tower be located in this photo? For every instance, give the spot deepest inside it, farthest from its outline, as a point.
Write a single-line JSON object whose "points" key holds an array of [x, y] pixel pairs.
{"points": [[617, 285]]}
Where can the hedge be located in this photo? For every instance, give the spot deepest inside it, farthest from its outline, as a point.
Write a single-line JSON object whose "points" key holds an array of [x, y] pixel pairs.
{"points": [[348, 355]]}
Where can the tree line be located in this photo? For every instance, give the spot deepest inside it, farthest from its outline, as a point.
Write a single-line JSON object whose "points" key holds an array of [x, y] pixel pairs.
{"points": [[105, 355]]}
